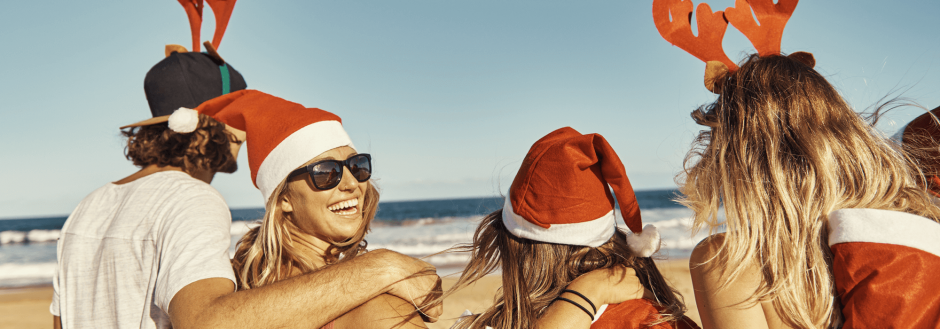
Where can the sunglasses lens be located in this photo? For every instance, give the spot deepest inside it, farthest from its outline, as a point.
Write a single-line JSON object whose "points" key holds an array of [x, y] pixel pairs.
{"points": [[326, 175], [360, 167]]}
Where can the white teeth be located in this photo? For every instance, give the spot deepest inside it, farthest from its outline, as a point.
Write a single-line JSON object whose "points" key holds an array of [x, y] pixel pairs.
{"points": [[344, 204]]}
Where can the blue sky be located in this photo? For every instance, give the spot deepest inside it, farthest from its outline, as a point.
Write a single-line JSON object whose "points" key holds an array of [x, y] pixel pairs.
{"points": [[447, 95]]}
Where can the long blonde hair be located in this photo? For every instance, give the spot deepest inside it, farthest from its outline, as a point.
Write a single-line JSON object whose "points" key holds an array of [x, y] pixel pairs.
{"points": [[534, 274], [782, 151], [267, 253]]}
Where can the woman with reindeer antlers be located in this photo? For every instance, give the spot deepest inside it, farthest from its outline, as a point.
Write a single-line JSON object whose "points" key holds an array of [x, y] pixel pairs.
{"points": [[828, 225]]}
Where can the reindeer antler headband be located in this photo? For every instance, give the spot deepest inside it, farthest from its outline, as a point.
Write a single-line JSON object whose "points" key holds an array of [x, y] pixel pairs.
{"points": [[222, 10], [765, 33]]}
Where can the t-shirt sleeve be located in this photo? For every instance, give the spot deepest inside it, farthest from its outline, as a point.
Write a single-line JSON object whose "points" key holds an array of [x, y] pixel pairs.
{"points": [[54, 306], [192, 244]]}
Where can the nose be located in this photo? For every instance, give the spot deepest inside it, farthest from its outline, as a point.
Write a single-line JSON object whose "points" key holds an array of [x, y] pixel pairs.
{"points": [[349, 182]]}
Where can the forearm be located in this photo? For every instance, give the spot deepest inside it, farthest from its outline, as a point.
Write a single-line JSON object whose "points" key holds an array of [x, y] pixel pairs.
{"points": [[308, 301], [562, 314]]}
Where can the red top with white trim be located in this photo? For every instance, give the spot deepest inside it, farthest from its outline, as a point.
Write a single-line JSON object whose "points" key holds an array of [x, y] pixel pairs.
{"points": [[637, 313], [885, 266]]}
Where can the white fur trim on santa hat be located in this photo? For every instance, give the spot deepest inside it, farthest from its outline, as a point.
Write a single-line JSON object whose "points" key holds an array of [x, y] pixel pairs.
{"points": [[183, 120], [884, 226], [297, 149], [592, 233], [646, 243]]}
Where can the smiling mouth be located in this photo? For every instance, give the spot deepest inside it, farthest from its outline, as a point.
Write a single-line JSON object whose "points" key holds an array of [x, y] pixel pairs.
{"points": [[347, 207]]}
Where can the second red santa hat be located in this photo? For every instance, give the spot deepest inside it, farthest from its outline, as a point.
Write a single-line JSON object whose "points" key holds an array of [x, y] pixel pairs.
{"points": [[281, 135], [561, 194]]}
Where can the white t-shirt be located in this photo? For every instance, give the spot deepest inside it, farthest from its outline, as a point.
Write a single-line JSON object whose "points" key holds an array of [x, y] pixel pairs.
{"points": [[127, 249]]}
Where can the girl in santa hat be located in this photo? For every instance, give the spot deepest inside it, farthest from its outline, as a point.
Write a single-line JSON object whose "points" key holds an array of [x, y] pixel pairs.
{"points": [[320, 202], [556, 228], [820, 209]]}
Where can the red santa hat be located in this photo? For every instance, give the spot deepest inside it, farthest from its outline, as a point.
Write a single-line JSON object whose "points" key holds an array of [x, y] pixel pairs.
{"points": [[561, 194], [281, 135]]}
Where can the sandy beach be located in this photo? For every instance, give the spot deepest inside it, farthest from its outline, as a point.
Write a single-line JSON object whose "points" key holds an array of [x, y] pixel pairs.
{"points": [[26, 307], [29, 307]]}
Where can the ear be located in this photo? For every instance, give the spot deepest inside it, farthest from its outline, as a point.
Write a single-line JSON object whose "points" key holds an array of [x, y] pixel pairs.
{"points": [[715, 71], [170, 49], [284, 203], [804, 57]]}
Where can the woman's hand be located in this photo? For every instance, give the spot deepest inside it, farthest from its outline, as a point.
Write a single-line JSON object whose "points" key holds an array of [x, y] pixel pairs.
{"points": [[610, 286], [413, 280], [604, 286]]}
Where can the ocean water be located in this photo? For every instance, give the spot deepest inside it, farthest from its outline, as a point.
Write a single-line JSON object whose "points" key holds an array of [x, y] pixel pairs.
{"points": [[415, 228]]}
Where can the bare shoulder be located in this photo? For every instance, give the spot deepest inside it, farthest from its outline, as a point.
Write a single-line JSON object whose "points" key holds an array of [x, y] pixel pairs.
{"points": [[384, 311], [707, 249], [710, 271], [722, 303]]}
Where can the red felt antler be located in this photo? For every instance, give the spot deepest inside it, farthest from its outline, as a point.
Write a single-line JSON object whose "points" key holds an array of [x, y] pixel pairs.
{"points": [[194, 12], [678, 31], [222, 10], [772, 19]]}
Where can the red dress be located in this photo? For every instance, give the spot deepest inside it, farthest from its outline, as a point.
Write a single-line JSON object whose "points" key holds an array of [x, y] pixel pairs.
{"points": [[637, 313], [886, 267]]}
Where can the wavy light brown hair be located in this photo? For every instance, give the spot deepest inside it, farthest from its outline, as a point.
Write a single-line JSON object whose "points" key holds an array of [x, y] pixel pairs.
{"points": [[208, 147], [534, 273], [268, 253], [781, 152]]}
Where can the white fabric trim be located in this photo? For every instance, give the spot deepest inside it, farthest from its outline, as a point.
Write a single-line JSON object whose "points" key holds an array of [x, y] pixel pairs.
{"points": [[296, 150], [600, 310], [884, 226], [591, 233]]}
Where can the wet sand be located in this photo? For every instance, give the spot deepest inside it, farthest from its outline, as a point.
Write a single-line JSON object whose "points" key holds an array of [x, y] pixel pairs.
{"points": [[29, 307]]}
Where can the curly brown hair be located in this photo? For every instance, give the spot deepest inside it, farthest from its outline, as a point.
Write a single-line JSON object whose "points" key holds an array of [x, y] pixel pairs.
{"points": [[208, 147]]}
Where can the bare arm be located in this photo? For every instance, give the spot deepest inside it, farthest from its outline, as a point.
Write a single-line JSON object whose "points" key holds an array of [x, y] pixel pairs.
{"points": [[727, 307], [56, 323], [604, 286], [306, 301], [382, 312]]}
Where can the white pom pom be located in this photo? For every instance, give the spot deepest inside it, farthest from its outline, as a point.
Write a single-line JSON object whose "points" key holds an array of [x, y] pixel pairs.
{"points": [[646, 243], [184, 120]]}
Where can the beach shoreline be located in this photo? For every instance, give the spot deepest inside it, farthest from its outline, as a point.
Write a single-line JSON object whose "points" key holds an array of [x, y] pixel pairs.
{"points": [[28, 307]]}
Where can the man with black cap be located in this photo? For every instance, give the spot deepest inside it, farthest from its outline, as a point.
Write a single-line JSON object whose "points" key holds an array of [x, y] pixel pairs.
{"points": [[161, 235]]}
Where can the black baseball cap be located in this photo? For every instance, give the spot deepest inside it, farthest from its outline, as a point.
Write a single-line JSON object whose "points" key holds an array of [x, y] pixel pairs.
{"points": [[186, 79]]}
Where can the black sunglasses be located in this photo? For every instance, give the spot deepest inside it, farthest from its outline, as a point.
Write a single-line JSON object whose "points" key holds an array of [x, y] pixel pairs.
{"points": [[327, 174]]}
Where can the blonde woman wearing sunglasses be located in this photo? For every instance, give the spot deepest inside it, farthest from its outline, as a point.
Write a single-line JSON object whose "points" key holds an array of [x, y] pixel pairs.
{"points": [[319, 202]]}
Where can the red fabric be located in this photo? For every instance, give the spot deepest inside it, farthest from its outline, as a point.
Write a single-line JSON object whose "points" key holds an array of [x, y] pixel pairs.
{"points": [[564, 178], [711, 29], [773, 18], [268, 126], [637, 313], [194, 13], [222, 9], [328, 325], [887, 286]]}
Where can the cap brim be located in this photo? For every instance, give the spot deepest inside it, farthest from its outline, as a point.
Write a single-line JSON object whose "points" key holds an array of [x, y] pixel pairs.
{"points": [[151, 121]]}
